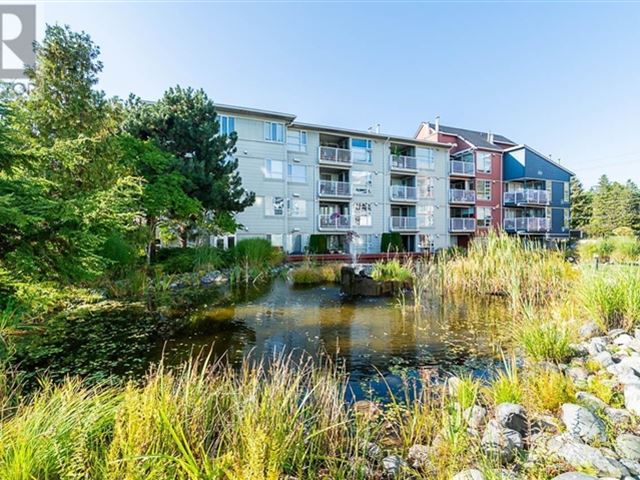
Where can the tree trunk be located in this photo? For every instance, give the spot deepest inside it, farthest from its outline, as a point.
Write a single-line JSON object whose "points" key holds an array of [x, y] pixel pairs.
{"points": [[151, 246]]}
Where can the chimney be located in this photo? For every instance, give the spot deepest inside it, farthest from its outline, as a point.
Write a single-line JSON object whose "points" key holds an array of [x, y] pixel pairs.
{"points": [[377, 128], [490, 136], [437, 123]]}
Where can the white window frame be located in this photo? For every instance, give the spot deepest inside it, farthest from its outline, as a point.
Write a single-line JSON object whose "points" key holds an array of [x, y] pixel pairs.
{"points": [[270, 206], [427, 159], [227, 124], [566, 218], [269, 171], [302, 140], [364, 188], [481, 162], [566, 192], [269, 131], [296, 178], [357, 151], [485, 221], [426, 242], [426, 216], [362, 210], [478, 190], [428, 190], [296, 211]]}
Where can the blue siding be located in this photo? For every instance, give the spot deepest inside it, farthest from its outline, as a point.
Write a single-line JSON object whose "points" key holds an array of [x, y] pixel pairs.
{"points": [[536, 166], [557, 194], [513, 165], [557, 222]]}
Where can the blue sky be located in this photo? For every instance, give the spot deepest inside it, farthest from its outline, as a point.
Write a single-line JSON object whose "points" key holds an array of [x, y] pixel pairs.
{"points": [[561, 77]]}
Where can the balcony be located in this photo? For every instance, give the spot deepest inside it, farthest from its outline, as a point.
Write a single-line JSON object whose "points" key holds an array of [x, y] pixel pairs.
{"points": [[402, 193], [402, 163], [330, 188], [463, 225], [457, 167], [527, 196], [333, 222], [458, 195], [335, 156], [403, 224], [527, 224]]}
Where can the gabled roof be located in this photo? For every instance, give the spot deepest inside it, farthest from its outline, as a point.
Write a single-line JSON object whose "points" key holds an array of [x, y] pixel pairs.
{"points": [[541, 155], [474, 137]]}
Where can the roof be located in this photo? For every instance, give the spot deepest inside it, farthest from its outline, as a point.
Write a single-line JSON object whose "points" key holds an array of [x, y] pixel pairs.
{"points": [[545, 157], [475, 137], [254, 111]]}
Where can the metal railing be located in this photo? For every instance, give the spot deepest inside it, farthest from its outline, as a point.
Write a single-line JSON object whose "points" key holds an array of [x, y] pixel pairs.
{"points": [[399, 224], [334, 221], [402, 162], [403, 192], [458, 167], [458, 195], [335, 156], [528, 196], [527, 224], [463, 225], [330, 188]]}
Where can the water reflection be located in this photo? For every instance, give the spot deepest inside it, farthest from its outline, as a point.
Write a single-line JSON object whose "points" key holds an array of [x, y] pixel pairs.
{"points": [[370, 336]]}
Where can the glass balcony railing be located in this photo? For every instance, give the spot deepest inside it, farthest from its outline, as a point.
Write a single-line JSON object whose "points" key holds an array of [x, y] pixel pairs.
{"points": [[335, 156], [404, 193], [334, 221], [330, 188], [402, 224], [404, 163], [457, 167], [527, 224], [527, 196], [463, 225], [458, 195]]}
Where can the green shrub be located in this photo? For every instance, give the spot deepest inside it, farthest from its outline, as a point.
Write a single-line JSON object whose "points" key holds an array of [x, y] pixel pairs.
{"points": [[506, 386], [391, 242], [612, 297], [318, 244], [308, 274], [257, 253], [392, 271], [548, 389], [545, 340], [121, 254], [184, 260], [625, 250]]}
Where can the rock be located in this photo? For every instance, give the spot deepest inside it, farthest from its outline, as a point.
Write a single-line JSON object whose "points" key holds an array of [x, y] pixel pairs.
{"points": [[618, 416], [632, 465], [616, 332], [574, 476], [453, 383], [373, 451], [544, 423], [501, 442], [628, 446], [623, 339], [503, 474], [471, 474], [419, 456], [579, 455], [604, 359], [366, 408], [512, 416], [582, 423], [632, 362], [596, 345], [632, 398], [588, 330], [578, 376], [590, 401], [393, 465], [475, 416]]}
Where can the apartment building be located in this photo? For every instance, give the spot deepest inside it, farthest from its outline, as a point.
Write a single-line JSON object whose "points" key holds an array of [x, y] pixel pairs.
{"points": [[349, 186], [496, 183]]}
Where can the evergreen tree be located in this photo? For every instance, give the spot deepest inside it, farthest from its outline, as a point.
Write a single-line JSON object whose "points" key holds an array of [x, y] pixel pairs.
{"points": [[615, 205], [580, 205]]}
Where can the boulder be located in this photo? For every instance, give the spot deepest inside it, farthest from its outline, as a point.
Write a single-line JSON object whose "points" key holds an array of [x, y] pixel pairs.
{"points": [[512, 416], [588, 330], [623, 339], [618, 416], [632, 465], [632, 398], [475, 416], [500, 442], [579, 455], [578, 376], [471, 474], [419, 456], [590, 401], [574, 476], [632, 362], [580, 422], [628, 446], [393, 465], [604, 358], [373, 451], [596, 345]]}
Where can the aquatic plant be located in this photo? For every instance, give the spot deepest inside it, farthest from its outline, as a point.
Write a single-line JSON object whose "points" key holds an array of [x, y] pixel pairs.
{"points": [[310, 274], [506, 386], [547, 389], [545, 338], [391, 270]]}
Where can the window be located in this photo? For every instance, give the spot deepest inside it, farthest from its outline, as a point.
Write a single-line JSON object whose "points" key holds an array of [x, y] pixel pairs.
{"points": [[484, 216], [274, 132], [274, 169], [362, 216], [483, 162], [275, 239], [297, 173], [425, 243], [227, 124], [483, 189], [426, 214], [361, 182], [566, 193], [426, 159], [361, 150], [426, 187], [274, 206], [297, 141], [297, 207], [566, 219], [365, 243]]}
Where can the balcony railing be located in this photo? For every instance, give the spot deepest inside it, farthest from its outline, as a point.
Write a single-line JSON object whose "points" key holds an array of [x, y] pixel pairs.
{"points": [[458, 167], [334, 221], [404, 193], [330, 188], [458, 195], [335, 156], [463, 225], [403, 224], [527, 196], [404, 163], [527, 224]]}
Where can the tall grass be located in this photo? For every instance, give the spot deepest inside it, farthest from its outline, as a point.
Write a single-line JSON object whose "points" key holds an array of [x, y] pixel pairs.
{"points": [[617, 249], [310, 274], [612, 297], [545, 339], [391, 270], [499, 264]]}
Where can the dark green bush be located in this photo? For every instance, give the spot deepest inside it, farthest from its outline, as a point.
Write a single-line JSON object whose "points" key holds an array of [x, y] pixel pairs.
{"points": [[183, 260], [318, 244], [391, 242], [121, 254], [257, 253]]}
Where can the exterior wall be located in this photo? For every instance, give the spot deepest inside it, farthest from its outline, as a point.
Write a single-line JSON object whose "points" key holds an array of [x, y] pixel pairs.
{"points": [[495, 177]]}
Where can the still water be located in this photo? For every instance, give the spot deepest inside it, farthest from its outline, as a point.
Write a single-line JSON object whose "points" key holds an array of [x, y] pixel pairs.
{"points": [[370, 337]]}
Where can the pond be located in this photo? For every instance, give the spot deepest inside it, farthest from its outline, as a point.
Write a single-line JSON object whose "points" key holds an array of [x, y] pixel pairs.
{"points": [[369, 337]]}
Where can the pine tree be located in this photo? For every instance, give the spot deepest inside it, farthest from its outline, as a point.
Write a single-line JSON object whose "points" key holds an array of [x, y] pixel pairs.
{"points": [[580, 205]]}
